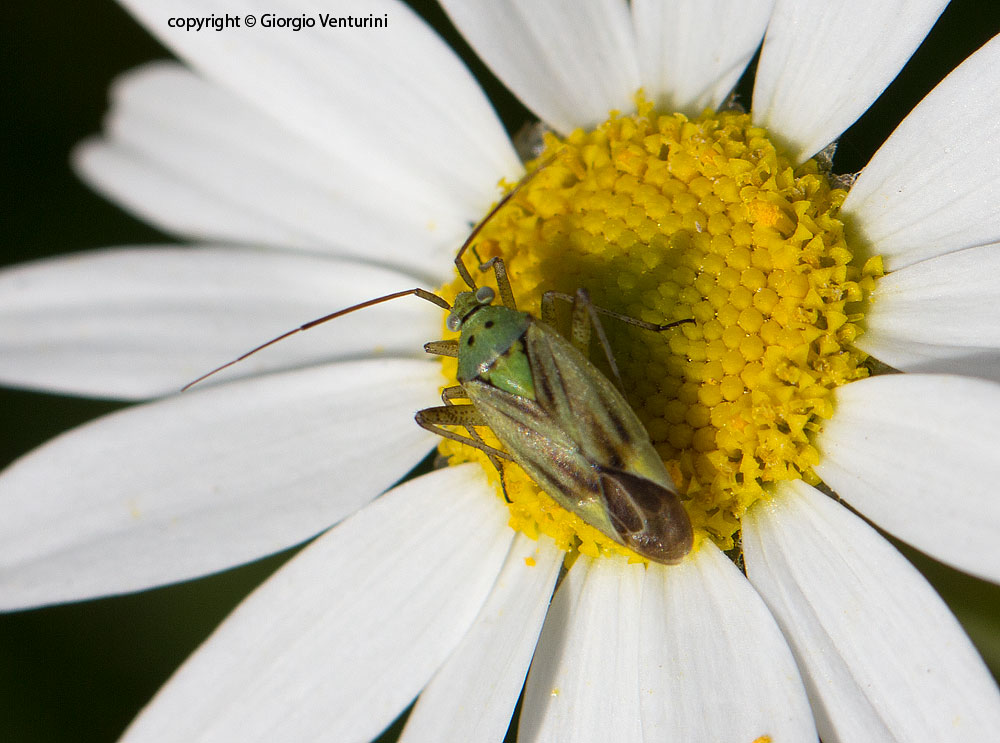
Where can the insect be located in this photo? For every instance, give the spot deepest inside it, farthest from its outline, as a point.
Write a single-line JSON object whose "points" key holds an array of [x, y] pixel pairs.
{"points": [[557, 416]]}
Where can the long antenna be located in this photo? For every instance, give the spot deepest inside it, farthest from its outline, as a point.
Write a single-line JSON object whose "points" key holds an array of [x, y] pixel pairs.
{"points": [[459, 264], [422, 293]]}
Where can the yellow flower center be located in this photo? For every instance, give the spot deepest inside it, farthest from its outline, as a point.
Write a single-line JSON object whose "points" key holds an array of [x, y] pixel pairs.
{"points": [[663, 218]]}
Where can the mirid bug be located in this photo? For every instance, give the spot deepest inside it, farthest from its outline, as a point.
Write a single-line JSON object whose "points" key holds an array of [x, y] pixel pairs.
{"points": [[557, 416]]}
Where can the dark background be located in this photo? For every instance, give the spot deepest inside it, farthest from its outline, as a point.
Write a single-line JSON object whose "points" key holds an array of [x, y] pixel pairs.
{"points": [[81, 672]]}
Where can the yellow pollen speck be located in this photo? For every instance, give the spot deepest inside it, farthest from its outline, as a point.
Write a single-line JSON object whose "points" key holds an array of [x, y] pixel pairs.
{"points": [[664, 218]]}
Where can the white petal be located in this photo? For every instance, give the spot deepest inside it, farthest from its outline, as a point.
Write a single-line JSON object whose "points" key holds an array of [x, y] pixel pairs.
{"points": [[569, 62], [693, 52], [926, 358], [933, 187], [206, 480], [167, 125], [137, 322], [917, 454], [823, 64], [883, 658], [175, 204], [337, 643], [584, 680], [942, 315], [395, 94], [472, 696], [701, 623]]}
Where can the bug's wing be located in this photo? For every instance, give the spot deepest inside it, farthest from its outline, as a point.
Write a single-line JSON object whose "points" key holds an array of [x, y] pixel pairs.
{"points": [[648, 518], [585, 404], [638, 495], [544, 450]]}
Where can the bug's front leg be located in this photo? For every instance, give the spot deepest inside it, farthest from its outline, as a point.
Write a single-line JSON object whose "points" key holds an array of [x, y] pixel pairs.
{"points": [[442, 348], [503, 282]]}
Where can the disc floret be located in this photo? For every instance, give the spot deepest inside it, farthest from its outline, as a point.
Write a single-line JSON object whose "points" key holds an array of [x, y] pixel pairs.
{"points": [[663, 218]]}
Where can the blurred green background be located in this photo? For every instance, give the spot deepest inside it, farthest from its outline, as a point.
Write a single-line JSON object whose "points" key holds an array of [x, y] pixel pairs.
{"points": [[81, 672]]}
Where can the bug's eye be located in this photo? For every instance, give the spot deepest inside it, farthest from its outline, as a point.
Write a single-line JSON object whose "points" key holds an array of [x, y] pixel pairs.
{"points": [[484, 295], [453, 323]]}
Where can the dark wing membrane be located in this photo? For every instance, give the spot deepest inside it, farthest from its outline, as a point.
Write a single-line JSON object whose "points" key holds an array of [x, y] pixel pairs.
{"points": [[589, 408], [648, 518]]}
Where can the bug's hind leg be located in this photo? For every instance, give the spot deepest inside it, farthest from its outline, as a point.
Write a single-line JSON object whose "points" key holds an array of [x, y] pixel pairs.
{"points": [[586, 314], [456, 392], [449, 414], [435, 419]]}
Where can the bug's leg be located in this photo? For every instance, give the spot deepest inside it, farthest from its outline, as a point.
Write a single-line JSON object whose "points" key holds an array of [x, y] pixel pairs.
{"points": [[503, 283], [434, 420], [442, 348], [548, 313], [503, 486], [585, 315], [457, 392], [549, 308]]}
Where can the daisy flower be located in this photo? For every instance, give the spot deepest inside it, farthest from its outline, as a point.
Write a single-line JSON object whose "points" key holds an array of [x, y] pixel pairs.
{"points": [[334, 165]]}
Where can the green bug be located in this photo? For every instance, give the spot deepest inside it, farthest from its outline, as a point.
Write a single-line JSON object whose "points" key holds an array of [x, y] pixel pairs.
{"points": [[558, 417]]}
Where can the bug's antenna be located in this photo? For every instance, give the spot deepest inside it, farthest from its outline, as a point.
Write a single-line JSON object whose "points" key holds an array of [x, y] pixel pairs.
{"points": [[422, 293], [459, 264]]}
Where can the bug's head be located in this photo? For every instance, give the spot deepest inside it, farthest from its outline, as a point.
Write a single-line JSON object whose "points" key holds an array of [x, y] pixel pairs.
{"points": [[466, 303]]}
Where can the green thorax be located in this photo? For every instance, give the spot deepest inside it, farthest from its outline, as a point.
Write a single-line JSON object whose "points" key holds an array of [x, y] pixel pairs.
{"points": [[491, 346]]}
